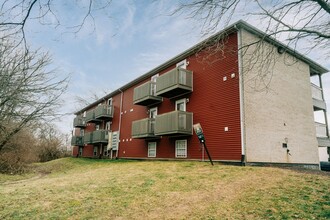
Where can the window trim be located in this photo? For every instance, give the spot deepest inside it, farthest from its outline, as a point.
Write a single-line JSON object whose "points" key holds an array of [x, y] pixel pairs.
{"points": [[181, 101], [152, 109], [176, 148], [152, 144], [109, 102], [182, 64], [108, 126]]}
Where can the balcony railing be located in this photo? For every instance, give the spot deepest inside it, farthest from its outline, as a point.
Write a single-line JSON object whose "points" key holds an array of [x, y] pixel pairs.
{"points": [[318, 102], [103, 112], [100, 136], [77, 141], [96, 137], [144, 128], [174, 83], [316, 92], [88, 138], [79, 122], [321, 129], [90, 116], [174, 123], [145, 94]]}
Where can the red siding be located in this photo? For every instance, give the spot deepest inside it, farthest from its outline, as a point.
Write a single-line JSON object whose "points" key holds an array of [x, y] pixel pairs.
{"points": [[215, 104], [75, 150]]}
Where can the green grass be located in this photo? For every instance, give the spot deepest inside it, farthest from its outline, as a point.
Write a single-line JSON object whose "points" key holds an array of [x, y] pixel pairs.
{"points": [[72, 188]]}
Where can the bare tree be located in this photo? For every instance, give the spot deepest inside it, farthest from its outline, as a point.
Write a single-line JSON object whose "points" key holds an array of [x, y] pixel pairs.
{"points": [[50, 142], [29, 91], [15, 15], [299, 20]]}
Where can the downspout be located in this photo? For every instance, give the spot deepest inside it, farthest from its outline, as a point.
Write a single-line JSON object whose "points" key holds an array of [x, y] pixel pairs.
{"points": [[241, 92], [120, 116]]}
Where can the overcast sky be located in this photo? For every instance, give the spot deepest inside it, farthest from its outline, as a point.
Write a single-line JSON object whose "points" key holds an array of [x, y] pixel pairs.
{"points": [[115, 48]]}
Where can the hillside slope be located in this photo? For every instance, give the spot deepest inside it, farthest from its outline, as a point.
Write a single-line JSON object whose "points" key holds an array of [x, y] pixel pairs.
{"points": [[72, 188]]}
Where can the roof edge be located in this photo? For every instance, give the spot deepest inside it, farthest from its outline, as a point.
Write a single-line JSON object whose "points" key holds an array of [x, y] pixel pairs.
{"points": [[315, 67]]}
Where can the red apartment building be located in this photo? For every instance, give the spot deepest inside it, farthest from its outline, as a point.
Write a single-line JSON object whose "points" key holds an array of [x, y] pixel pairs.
{"points": [[249, 113]]}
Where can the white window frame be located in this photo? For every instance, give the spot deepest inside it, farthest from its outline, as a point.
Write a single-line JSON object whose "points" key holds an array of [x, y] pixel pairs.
{"points": [[179, 102], [155, 109], [97, 127], [108, 126], [109, 102], [152, 147], [182, 64], [179, 149]]}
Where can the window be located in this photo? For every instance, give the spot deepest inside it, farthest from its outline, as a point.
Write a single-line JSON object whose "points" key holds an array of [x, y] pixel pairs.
{"points": [[110, 102], [152, 149], [152, 112], [97, 127], [82, 132], [153, 84], [84, 114], [182, 64], [181, 148], [152, 115], [180, 105], [80, 151], [108, 126], [95, 151]]}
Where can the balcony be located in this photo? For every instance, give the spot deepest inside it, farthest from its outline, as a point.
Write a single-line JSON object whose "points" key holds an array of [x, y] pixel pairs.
{"points": [[97, 137], [318, 102], [77, 141], [100, 113], [174, 83], [79, 122], [321, 134], [90, 117], [100, 136], [145, 94], [144, 129], [174, 123], [321, 129], [103, 112], [88, 138]]}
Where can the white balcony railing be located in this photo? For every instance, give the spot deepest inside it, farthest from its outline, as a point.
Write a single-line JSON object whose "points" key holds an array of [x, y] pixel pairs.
{"points": [[321, 129], [316, 92]]}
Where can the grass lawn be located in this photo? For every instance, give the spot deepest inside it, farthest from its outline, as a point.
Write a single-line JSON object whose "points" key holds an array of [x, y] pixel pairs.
{"points": [[73, 188]]}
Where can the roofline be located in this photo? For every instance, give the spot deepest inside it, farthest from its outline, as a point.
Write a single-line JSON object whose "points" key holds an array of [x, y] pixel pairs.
{"points": [[315, 67]]}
